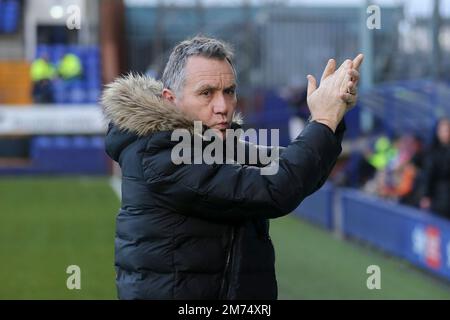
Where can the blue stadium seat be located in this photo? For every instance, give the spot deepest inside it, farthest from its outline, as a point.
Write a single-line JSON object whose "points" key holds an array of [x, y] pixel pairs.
{"points": [[57, 52], [76, 50], [9, 16], [77, 94], [61, 154], [93, 95], [2, 8], [60, 91], [41, 50]]}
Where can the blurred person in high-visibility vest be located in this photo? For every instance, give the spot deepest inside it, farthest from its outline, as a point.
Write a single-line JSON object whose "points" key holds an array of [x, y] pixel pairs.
{"points": [[384, 151], [42, 73], [70, 67], [402, 173]]}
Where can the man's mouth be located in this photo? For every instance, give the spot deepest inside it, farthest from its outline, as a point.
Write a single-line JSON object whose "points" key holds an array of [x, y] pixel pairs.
{"points": [[222, 126]]}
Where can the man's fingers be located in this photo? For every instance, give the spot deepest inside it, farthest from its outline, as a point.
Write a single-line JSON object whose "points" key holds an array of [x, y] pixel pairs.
{"points": [[312, 84], [354, 75], [348, 98], [357, 61], [342, 77], [347, 64], [351, 87], [329, 69]]}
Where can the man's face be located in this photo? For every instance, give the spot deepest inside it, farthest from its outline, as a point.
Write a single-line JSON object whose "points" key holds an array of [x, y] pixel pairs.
{"points": [[209, 93]]}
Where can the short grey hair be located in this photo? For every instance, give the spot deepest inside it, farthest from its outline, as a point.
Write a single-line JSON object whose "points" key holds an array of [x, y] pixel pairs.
{"points": [[174, 73]]}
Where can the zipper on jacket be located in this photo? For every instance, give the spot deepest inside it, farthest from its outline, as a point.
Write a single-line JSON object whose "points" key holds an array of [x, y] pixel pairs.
{"points": [[223, 290]]}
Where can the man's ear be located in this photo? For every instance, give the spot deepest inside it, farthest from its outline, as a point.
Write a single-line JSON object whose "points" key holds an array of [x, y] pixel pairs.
{"points": [[168, 95]]}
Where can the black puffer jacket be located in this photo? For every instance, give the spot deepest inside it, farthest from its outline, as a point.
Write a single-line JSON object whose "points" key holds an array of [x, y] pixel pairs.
{"points": [[199, 231]]}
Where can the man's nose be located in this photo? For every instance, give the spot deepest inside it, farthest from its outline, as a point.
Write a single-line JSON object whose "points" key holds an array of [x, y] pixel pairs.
{"points": [[219, 103]]}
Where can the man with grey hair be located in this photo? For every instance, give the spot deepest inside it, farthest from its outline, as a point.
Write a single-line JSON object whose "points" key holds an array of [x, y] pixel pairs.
{"points": [[199, 231]]}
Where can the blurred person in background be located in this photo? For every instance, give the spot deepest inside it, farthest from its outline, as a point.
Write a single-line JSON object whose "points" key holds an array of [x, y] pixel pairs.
{"points": [[412, 169], [379, 158], [42, 73], [382, 154], [295, 95], [401, 175], [437, 172], [70, 67], [199, 231]]}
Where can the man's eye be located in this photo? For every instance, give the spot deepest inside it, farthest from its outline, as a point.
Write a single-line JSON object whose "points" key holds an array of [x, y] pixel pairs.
{"points": [[205, 93], [230, 91]]}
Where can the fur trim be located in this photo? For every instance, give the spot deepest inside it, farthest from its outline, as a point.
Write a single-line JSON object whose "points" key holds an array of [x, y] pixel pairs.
{"points": [[134, 103]]}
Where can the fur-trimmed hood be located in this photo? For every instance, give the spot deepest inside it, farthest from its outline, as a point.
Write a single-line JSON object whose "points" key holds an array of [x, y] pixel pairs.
{"points": [[134, 104]]}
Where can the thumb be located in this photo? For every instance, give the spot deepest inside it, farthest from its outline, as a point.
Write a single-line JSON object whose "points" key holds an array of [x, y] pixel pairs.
{"points": [[312, 84]]}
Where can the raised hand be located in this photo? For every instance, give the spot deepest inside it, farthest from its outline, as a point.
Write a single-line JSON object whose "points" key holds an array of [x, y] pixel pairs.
{"points": [[351, 95], [337, 92]]}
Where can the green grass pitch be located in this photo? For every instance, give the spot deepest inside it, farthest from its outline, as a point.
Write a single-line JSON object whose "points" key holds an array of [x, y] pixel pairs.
{"points": [[47, 224]]}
